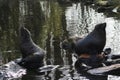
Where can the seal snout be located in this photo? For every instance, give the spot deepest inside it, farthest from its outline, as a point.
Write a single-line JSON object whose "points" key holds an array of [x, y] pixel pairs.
{"points": [[22, 28], [103, 24], [24, 32]]}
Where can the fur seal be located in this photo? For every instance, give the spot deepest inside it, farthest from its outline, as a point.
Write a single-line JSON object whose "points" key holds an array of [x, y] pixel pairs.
{"points": [[89, 49], [94, 42], [32, 55]]}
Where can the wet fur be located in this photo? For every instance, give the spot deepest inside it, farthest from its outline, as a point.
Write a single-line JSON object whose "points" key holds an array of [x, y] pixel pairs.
{"points": [[94, 42], [92, 45], [32, 55]]}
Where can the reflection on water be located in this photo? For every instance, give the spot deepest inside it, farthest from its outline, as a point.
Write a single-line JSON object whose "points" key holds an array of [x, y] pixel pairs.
{"points": [[50, 22]]}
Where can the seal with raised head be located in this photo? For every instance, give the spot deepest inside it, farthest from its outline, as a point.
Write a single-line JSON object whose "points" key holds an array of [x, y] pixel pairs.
{"points": [[89, 50], [94, 42], [32, 55]]}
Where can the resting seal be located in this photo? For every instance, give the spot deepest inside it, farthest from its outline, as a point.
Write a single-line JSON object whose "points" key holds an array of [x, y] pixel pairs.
{"points": [[32, 55], [89, 49], [92, 44]]}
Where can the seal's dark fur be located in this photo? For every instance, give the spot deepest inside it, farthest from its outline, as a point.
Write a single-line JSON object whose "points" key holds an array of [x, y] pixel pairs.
{"points": [[32, 55], [94, 42]]}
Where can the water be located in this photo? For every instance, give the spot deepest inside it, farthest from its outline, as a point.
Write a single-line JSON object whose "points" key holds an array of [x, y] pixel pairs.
{"points": [[49, 23]]}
